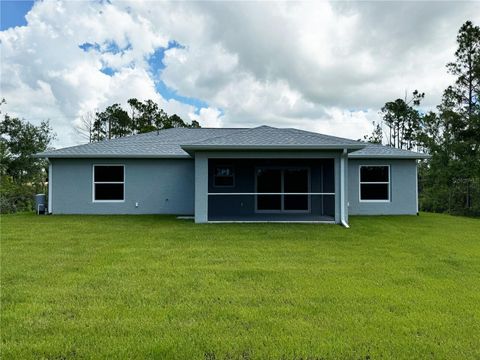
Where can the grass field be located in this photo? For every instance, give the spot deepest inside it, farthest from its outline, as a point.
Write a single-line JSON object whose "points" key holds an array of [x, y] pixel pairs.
{"points": [[118, 287]]}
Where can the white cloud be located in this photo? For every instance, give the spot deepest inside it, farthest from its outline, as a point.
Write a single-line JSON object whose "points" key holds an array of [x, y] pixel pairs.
{"points": [[299, 64], [322, 66], [208, 117]]}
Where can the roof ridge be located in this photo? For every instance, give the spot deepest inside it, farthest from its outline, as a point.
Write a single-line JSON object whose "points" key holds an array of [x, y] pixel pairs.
{"points": [[218, 128], [265, 136], [223, 135]]}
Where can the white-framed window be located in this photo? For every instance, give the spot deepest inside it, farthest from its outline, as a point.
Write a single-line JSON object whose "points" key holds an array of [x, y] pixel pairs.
{"points": [[374, 183], [224, 176], [108, 183]]}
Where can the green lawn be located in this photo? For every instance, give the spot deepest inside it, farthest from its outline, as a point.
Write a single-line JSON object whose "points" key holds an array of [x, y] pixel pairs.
{"points": [[118, 287]]}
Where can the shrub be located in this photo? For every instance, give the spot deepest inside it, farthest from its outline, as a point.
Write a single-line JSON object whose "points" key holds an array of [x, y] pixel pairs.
{"points": [[16, 197]]}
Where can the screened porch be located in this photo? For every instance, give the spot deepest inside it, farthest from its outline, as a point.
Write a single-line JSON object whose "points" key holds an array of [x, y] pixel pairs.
{"points": [[264, 190]]}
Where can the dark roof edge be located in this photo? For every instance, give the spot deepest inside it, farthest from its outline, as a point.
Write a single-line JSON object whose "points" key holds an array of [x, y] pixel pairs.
{"points": [[391, 156], [139, 156], [109, 156], [273, 147]]}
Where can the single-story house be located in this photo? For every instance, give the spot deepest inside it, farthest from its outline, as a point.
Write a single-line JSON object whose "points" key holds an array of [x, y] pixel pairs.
{"points": [[234, 174]]}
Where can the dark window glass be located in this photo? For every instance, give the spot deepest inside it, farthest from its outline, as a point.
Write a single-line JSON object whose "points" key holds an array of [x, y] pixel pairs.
{"points": [[269, 202], [295, 180], [374, 191], [108, 191], [295, 202], [223, 181], [107, 173], [269, 181], [223, 176], [374, 174]]}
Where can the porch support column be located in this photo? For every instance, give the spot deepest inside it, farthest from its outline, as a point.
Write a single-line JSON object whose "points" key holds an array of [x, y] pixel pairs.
{"points": [[201, 188], [344, 188], [337, 175]]}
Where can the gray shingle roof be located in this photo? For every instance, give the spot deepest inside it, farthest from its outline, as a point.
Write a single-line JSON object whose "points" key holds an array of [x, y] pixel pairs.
{"points": [[266, 137], [165, 143], [376, 151], [172, 143]]}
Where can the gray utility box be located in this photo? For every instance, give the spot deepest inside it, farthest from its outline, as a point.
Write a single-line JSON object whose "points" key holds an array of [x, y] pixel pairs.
{"points": [[41, 204]]}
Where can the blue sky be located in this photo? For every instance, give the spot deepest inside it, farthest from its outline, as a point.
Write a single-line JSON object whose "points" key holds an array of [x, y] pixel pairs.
{"points": [[13, 13]]}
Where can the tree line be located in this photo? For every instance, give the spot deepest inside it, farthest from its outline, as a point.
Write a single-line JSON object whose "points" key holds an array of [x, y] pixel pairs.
{"points": [[21, 175], [450, 180], [141, 117]]}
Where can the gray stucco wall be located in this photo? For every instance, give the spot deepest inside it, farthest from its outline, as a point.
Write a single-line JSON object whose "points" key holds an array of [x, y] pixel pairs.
{"points": [[160, 186], [403, 186], [168, 186]]}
